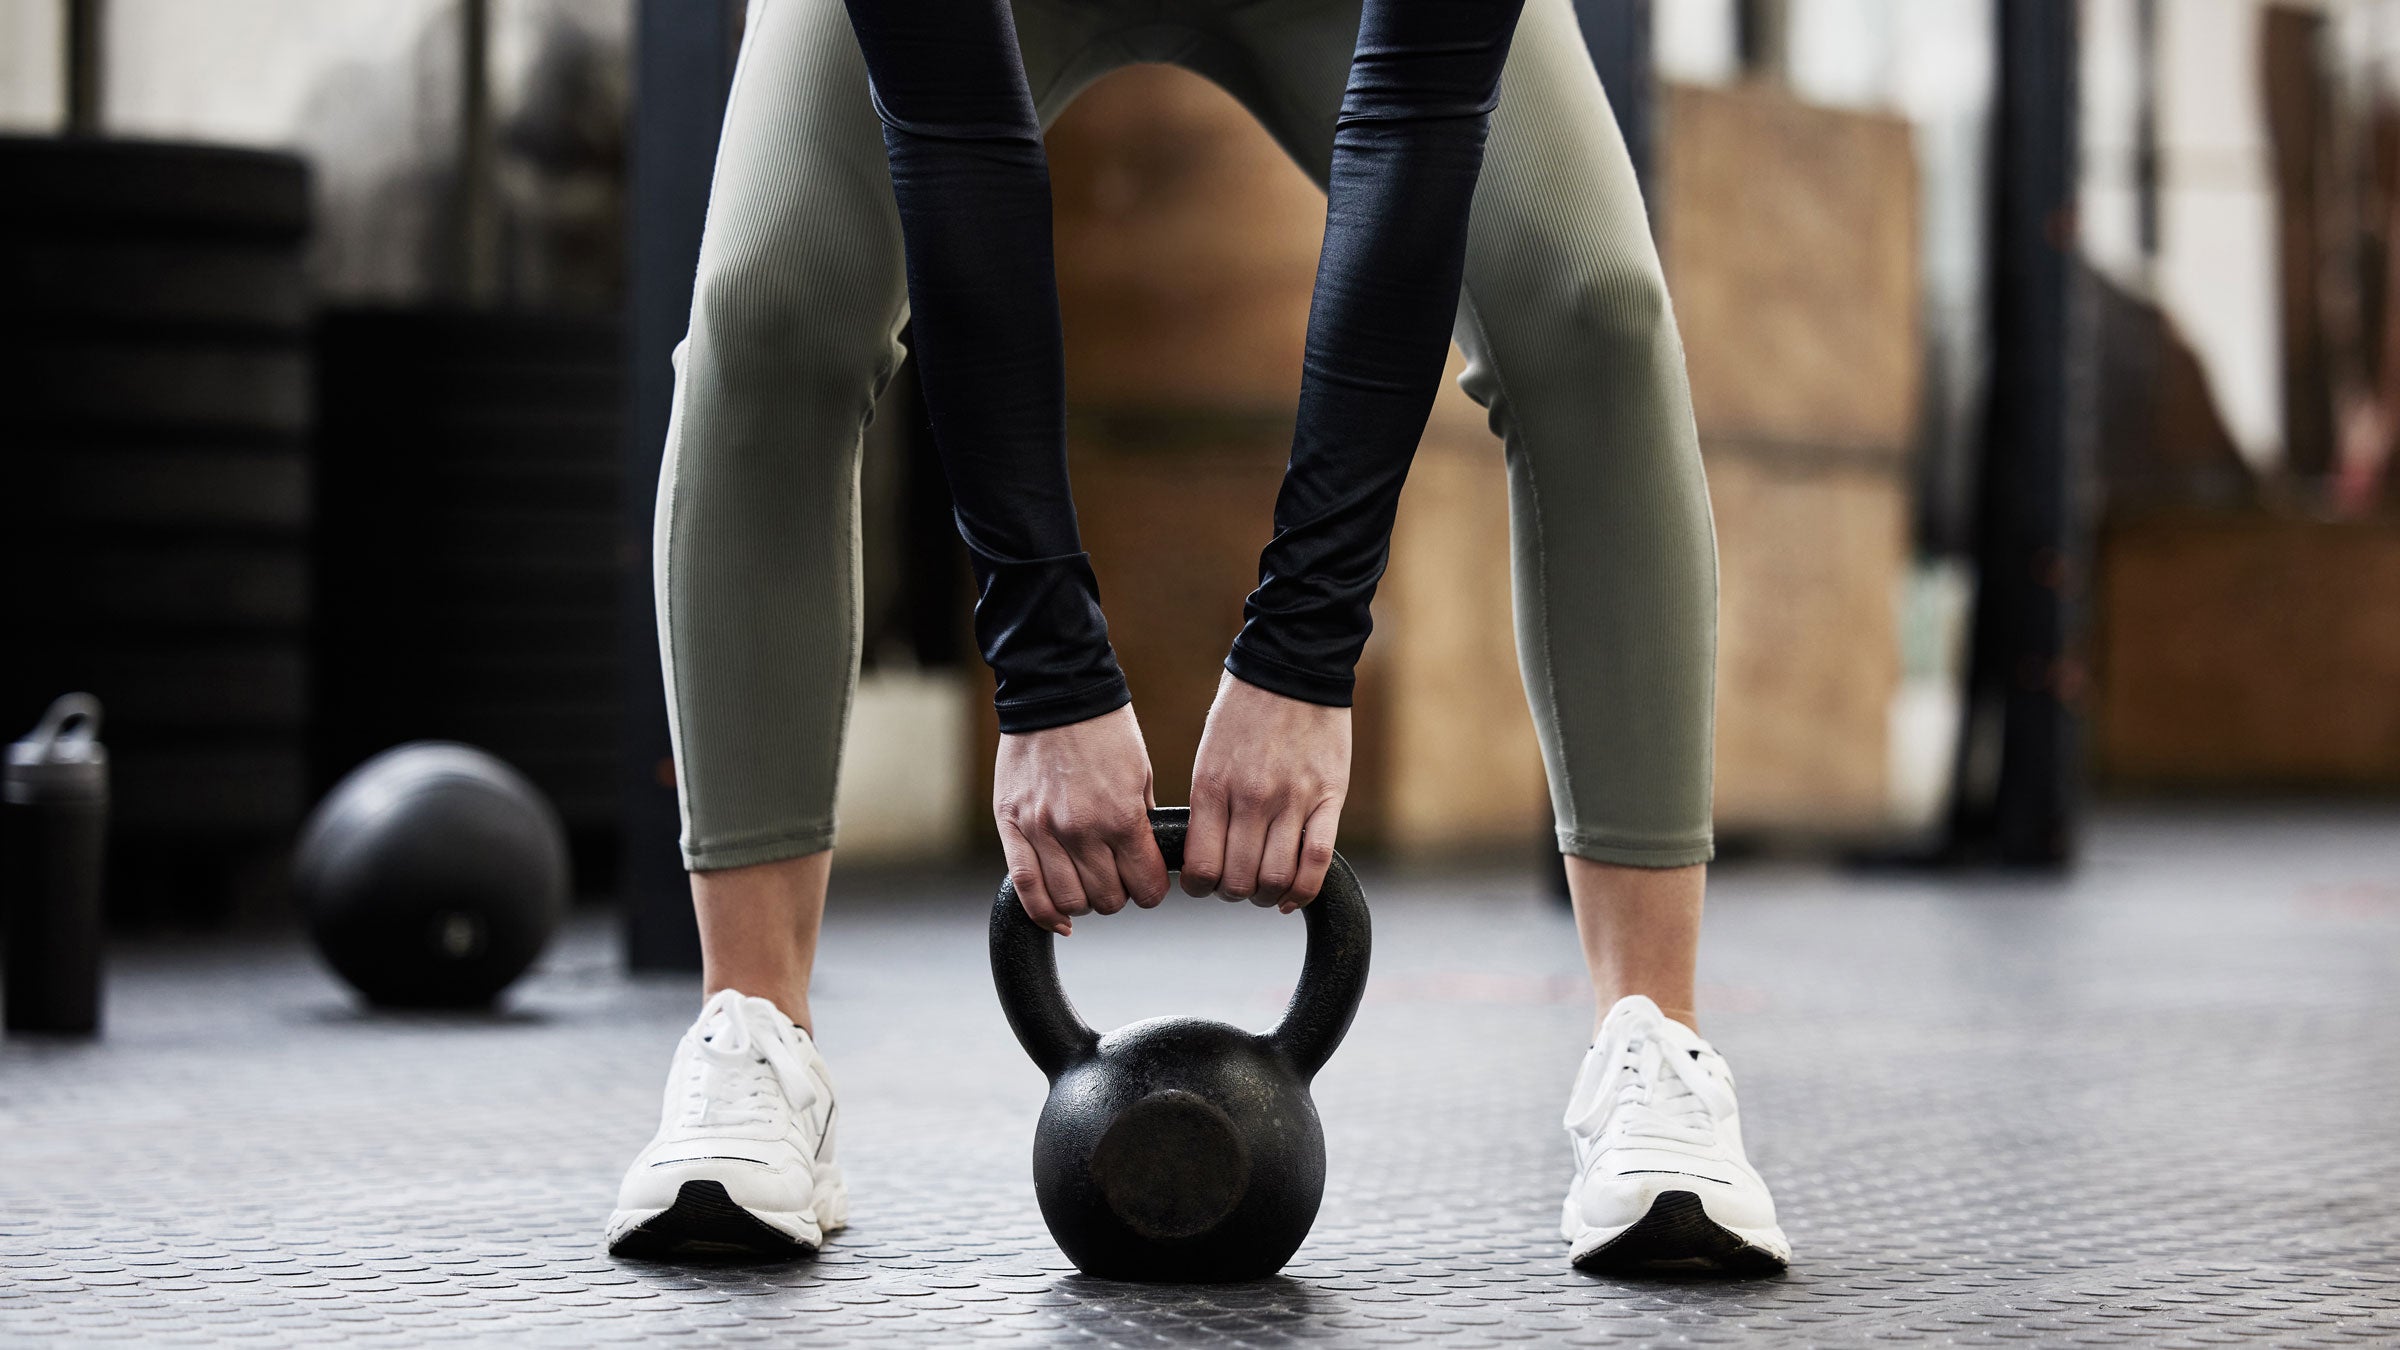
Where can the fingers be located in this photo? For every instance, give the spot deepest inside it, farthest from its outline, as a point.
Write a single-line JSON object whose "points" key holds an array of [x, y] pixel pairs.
{"points": [[1060, 878], [1316, 855], [1204, 837], [1269, 778], [1025, 873], [1095, 862], [1140, 866], [1069, 801], [1064, 869], [1279, 861], [1272, 849], [1245, 843]]}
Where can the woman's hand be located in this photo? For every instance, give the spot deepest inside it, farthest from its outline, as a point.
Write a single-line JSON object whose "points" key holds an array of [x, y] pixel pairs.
{"points": [[1072, 804], [1267, 792]]}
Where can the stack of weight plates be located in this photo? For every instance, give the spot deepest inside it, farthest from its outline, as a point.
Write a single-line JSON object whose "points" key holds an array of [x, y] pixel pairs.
{"points": [[154, 419], [468, 561]]}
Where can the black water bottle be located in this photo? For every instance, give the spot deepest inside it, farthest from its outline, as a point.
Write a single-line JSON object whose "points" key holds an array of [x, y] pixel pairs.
{"points": [[53, 835]]}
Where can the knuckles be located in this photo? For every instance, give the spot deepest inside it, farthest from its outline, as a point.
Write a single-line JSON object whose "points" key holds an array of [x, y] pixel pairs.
{"points": [[1068, 820], [1264, 796], [1211, 782], [1252, 796]]}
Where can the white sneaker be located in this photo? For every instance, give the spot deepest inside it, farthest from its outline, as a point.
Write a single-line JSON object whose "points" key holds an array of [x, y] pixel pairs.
{"points": [[1660, 1178], [743, 1161]]}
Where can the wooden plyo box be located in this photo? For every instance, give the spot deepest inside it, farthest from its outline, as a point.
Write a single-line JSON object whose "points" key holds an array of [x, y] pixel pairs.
{"points": [[1461, 769], [1790, 238], [1789, 234], [1809, 559], [1187, 245], [2245, 651]]}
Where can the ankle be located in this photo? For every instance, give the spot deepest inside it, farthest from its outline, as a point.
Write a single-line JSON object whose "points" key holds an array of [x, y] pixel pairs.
{"points": [[758, 929], [1675, 1009], [789, 999]]}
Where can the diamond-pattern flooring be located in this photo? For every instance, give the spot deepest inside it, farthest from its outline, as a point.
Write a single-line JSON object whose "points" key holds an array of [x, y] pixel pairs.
{"points": [[2150, 1104]]}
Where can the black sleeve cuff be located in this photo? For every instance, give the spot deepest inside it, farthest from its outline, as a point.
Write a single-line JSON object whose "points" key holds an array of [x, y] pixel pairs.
{"points": [[1041, 631], [1018, 716], [1276, 677]]}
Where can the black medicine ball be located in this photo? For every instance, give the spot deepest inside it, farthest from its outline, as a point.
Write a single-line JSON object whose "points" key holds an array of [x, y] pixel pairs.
{"points": [[432, 875]]}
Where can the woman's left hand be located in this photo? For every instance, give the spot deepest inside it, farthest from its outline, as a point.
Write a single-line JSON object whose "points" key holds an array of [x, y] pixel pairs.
{"points": [[1267, 792]]}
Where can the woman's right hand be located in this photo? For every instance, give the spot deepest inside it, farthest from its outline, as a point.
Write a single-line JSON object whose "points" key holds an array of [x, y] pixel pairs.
{"points": [[1072, 804]]}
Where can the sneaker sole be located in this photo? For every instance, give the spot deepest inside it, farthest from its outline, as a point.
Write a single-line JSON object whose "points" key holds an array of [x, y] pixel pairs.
{"points": [[705, 1224], [1678, 1232]]}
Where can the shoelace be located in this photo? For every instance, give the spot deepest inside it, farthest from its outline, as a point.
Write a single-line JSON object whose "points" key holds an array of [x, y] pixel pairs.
{"points": [[1657, 1096], [741, 1078]]}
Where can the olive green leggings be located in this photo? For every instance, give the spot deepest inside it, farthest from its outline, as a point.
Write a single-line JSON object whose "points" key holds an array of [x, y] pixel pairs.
{"points": [[800, 298]]}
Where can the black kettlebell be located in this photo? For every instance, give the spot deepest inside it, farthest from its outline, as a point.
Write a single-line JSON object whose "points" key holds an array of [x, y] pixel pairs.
{"points": [[1180, 1149]]}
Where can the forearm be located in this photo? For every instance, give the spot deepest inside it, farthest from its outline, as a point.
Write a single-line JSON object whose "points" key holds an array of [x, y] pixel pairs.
{"points": [[973, 190], [1407, 152]]}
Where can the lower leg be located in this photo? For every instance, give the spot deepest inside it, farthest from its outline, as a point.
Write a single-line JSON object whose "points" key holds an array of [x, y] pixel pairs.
{"points": [[1641, 932], [758, 929]]}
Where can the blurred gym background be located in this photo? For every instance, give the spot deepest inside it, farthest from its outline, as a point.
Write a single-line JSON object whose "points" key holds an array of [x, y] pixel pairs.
{"points": [[2045, 356]]}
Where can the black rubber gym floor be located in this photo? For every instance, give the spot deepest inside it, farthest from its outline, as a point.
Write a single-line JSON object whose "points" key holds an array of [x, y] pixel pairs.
{"points": [[2156, 1104]]}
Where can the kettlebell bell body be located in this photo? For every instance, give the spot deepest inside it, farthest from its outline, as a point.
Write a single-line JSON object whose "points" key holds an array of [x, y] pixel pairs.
{"points": [[1182, 1149]]}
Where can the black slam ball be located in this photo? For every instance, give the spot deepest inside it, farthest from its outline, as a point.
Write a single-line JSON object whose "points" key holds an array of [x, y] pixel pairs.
{"points": [[432, 875]]}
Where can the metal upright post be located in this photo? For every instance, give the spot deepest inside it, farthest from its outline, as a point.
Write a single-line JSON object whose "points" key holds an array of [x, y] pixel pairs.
{"points": [[683, 66], [84, 63], [1763, 35], [477, 227], [2020, 771]]}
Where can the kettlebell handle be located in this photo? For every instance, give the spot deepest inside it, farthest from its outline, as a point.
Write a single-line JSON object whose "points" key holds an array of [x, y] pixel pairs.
{"points": [[1333, 975]]}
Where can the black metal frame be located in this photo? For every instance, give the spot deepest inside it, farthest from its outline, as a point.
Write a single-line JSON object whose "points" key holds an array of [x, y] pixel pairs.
{"points": [[2019, 783]]}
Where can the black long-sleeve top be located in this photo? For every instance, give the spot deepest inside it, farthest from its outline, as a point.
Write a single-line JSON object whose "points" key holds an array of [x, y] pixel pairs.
{"points": [[973, 188]]}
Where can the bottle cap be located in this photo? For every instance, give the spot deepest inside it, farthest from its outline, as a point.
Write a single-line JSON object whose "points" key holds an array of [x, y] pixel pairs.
{"points": [[62, 757]]}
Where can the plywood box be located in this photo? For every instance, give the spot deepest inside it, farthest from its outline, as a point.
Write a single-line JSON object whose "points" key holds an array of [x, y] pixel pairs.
{"points": [[1809, 560], [2239, 650], [1789, 234], [1790, 238], [1174, 528], [1187, 244], [1461, 770]]}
